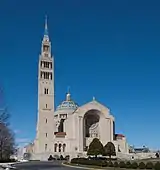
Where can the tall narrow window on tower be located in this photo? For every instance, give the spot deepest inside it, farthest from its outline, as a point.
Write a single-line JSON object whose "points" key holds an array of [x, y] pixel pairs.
{"points": [[41, 64], [46, 91], [51, 76], [46, 75], [41, 74]]}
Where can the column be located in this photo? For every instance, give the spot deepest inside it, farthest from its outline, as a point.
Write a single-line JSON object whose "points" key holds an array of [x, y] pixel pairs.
{"points": [[110, 130], [81, 133]]}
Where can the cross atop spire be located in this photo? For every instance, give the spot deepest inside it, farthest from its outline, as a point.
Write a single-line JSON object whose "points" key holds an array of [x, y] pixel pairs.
{"points": [[68, 89], [68, 96], [46, 26]]}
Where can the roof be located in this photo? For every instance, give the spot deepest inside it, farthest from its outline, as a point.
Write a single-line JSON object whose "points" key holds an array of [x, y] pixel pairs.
{"points": [[60, 133], [67, 104], [119, 135]]}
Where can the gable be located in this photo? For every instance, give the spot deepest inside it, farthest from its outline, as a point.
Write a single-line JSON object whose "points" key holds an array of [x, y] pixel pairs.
{"points": [[94, 105]]}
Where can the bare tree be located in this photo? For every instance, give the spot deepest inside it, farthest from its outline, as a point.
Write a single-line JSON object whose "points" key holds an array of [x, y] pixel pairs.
{"points": [[4, 117], [7, 142]]}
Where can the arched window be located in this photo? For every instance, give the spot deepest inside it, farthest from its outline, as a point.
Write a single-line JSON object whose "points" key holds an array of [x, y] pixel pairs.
{"points": [[55, 147], [64, 147], [60, 147]]}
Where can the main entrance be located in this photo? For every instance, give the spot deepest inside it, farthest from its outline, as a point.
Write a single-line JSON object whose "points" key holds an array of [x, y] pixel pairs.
{"points": [[90, 127]]}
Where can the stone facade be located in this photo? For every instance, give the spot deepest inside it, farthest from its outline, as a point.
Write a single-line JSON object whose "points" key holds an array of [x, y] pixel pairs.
{"points": [[68, 129]]}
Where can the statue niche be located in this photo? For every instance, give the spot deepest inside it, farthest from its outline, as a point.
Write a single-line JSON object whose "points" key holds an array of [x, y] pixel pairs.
{"points": [[91, 124]]}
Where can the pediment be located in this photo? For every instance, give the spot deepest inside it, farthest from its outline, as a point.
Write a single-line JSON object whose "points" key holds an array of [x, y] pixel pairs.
{"points": [[94, 105]]}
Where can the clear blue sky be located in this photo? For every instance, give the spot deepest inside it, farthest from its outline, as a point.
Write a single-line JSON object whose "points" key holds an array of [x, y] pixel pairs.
{"points": [[109, 49]]}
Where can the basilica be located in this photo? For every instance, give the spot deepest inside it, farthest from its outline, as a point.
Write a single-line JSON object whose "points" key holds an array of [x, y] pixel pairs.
{"points": [[69, 128]]}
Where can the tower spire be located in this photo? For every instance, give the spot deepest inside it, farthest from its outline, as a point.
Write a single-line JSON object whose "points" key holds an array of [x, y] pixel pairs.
{"points": [[46, 36], [46, 26]]}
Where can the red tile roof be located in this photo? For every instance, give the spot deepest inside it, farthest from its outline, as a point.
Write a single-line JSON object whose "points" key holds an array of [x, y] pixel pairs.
{"points": [[60, 133], [120, 135]]}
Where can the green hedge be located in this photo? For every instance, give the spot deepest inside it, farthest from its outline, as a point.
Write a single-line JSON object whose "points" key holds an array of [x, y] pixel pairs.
{"points": [[122, 164], [85, 161], [7, 160], [157, 166]]}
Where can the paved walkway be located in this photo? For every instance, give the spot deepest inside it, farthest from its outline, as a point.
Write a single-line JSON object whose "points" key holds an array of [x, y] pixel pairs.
{"points": [[46, 165], [56, 165], [82, 167]]}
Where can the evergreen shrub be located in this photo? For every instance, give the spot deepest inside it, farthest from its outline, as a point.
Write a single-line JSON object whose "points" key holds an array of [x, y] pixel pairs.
{"points": [[110, 164], [115, 164], [128, 164], [122, 164], [149, 165], [134, 165], [142, 165]]}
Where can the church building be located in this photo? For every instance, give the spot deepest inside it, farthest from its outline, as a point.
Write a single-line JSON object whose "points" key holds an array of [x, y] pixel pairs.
{"points": [[69, 128]]}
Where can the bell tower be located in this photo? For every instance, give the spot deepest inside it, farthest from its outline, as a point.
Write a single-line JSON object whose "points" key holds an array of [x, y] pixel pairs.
{"points": [[45, 119], [46, 74]]}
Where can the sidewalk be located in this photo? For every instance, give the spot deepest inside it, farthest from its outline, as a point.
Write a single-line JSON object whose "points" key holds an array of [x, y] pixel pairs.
{"points": [[4, 165]]}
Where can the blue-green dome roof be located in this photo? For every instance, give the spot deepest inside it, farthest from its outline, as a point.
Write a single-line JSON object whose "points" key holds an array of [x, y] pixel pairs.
{"points": [[67, 104]]}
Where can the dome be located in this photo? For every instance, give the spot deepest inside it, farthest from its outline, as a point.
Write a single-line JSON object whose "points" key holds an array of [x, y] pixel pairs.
{"points": [[67, 104]]}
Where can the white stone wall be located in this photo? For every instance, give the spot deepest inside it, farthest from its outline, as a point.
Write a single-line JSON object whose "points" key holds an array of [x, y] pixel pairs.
{"points": [[133, 156], [122, 144]]}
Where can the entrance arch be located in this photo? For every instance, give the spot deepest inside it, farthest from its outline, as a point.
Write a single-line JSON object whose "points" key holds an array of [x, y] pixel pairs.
{"points": [[90, 127]]}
